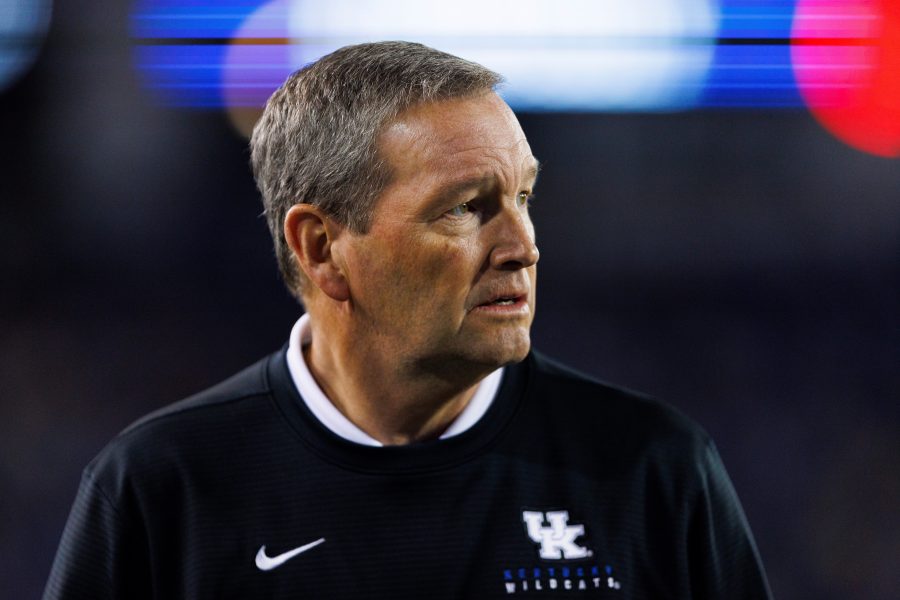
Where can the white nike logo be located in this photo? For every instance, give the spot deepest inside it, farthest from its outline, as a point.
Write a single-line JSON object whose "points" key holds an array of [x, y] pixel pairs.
{"points": [[266, 563]]}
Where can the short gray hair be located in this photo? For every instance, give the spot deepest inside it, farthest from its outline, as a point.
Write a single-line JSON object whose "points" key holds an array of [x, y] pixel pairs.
{"points": [[316, 142]]}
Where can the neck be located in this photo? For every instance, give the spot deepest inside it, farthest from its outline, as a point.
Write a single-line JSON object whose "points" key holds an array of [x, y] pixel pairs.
{"points": [[396, 400]]}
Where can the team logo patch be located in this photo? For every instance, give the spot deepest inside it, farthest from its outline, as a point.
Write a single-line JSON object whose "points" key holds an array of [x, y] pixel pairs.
{"points": [[558, 540]]}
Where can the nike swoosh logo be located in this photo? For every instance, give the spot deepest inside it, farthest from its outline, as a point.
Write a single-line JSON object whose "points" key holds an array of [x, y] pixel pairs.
{"points": [[267, 563]]}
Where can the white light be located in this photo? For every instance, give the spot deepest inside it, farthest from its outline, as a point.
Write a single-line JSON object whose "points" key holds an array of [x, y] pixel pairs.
{"points": [[557, 54]]}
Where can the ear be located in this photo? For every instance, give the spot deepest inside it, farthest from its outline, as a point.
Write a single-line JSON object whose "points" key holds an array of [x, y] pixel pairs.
{"points": [[311, 235]]}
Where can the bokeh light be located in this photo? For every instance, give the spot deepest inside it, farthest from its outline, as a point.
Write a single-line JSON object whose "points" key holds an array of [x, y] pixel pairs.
{"points": [[555, 55], [840, 58], [847, 63], [258, 59], [23, 26], [752, 65]]}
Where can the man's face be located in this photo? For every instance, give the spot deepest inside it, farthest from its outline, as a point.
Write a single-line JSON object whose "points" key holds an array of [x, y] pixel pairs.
{"points": [[445, 277]]}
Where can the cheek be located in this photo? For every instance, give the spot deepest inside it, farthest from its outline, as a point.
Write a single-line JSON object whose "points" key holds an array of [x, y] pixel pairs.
{"points": [[447, 259], [439, 272], [409, 270]]}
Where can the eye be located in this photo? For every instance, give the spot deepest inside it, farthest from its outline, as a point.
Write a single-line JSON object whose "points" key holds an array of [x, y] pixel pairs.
{"points": [[524, 198], [460, 210]]}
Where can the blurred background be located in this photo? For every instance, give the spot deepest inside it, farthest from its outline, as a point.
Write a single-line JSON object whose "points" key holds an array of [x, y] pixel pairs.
{"points": [[718, 218]]}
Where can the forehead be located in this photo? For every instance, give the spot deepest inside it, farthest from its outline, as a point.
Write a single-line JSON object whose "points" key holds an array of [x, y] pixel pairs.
{"points": [[477, 136]]}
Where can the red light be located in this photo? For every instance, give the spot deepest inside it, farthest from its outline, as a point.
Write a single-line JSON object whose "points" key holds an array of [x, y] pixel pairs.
{"points": [[846, 57]]}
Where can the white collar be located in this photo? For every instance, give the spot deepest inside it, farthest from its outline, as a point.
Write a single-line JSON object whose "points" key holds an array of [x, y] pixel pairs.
{"points": [[320, 406]]}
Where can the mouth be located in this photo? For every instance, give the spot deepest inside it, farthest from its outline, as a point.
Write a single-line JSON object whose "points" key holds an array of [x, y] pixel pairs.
{"points": [[503, 301], [507, 302]]}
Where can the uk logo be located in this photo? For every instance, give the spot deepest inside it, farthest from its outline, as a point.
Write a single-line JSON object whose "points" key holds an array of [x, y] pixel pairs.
{"points": [[557, 538]]}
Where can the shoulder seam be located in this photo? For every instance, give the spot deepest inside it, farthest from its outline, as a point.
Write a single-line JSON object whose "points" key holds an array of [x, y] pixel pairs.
{"points": [[264, 388], [89, 475], [189, 409]]}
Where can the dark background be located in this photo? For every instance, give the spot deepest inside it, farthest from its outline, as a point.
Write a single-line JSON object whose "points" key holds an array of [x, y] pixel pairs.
{"points": [[745, 266]]}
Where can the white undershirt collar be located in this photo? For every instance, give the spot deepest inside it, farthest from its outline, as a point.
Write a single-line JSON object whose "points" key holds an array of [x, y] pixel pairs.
{"points": [[320, 406]]}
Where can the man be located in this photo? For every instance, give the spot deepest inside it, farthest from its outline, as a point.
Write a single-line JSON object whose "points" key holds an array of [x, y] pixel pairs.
{"points": [[407, 443]]}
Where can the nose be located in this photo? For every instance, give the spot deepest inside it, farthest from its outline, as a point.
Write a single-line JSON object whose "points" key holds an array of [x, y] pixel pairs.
{"points": [[514, 247]]}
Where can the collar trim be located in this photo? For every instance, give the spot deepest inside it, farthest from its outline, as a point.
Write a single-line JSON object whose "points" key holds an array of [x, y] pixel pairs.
{"points": [[328, 414]]}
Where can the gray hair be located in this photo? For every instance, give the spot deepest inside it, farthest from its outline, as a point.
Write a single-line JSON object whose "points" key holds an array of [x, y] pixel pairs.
{"points": [[316, 142]]}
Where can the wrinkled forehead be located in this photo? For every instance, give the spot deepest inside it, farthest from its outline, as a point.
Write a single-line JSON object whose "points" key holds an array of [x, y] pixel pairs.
{"points": [[462, 133]]}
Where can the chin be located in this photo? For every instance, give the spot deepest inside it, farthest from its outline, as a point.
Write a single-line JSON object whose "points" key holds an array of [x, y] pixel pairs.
{"points": [[519, 355], [506, 349], [478, 355]]}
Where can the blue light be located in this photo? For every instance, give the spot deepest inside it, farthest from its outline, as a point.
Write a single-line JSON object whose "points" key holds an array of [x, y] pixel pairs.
{"points": [[560, 55], [557, 55], [752, 65], [751, 76], [190, 20], [756, 19], [184, 75], [23, 25]]}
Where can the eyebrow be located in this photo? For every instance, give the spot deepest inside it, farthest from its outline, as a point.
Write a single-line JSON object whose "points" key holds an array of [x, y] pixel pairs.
{"points": [[458, 188], [534, 170], [473, 183]]}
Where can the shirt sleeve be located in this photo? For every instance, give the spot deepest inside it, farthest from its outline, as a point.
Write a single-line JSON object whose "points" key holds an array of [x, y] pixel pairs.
{"points": [[103, 553], [724, 560]]}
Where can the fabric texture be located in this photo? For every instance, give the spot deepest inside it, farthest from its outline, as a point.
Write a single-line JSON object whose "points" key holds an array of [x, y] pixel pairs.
{"points": [[565, 488]]}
